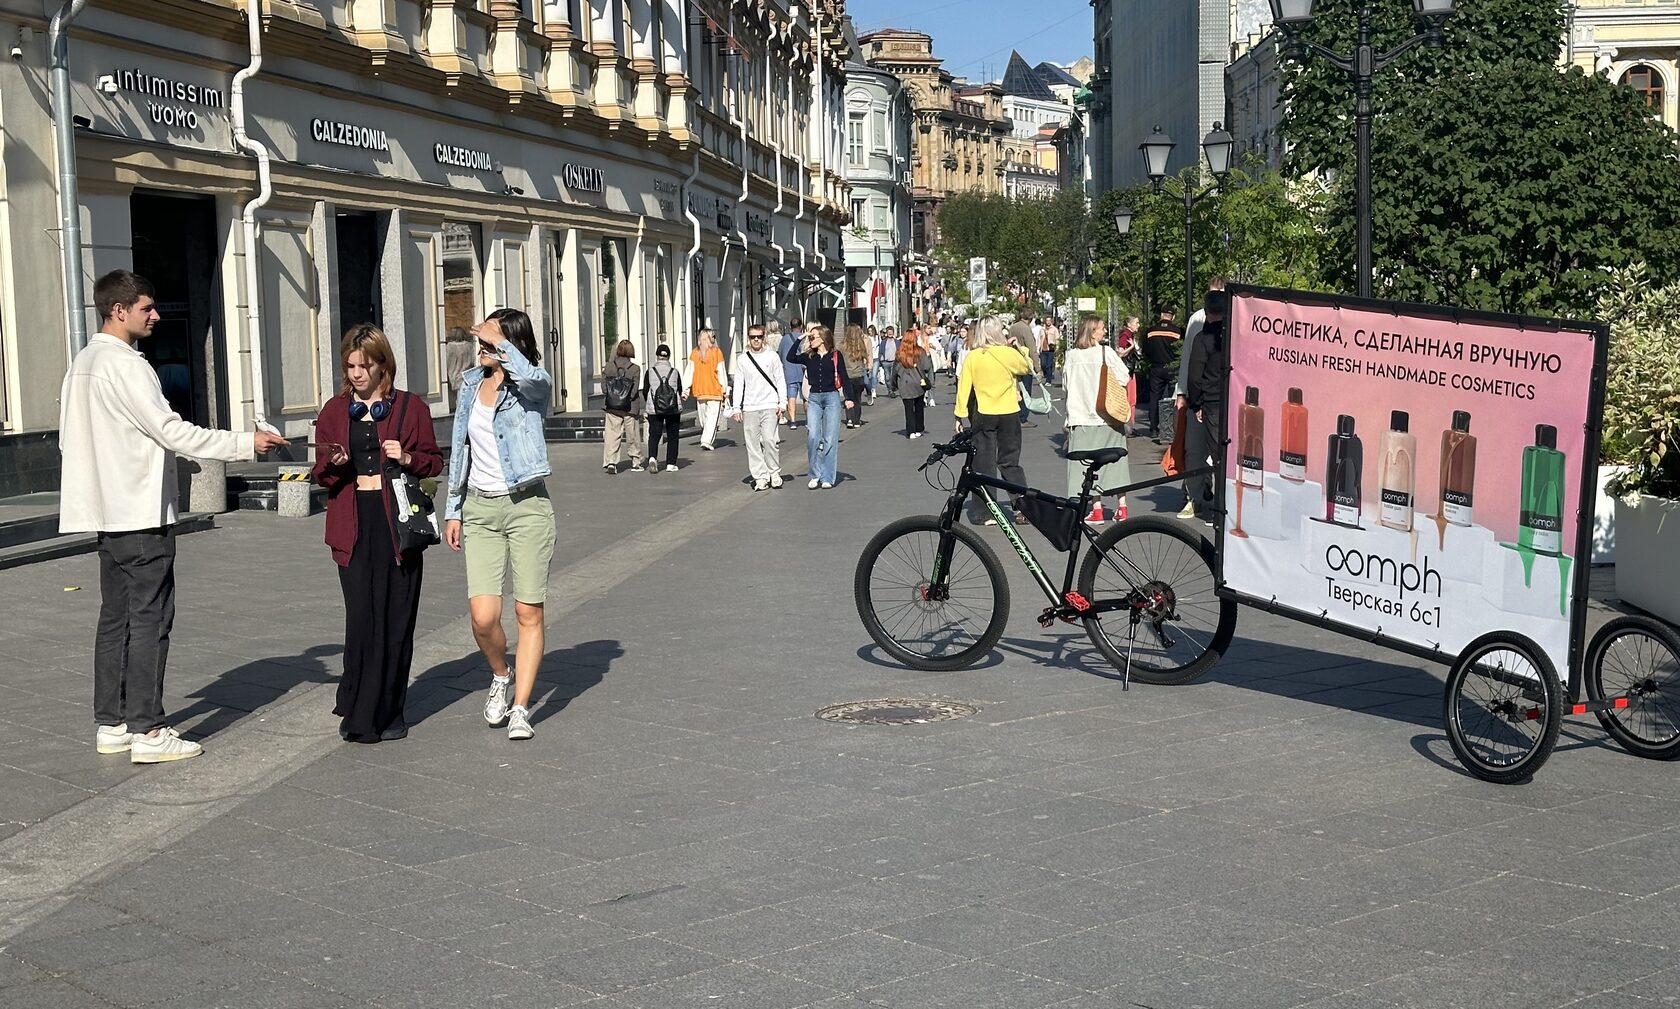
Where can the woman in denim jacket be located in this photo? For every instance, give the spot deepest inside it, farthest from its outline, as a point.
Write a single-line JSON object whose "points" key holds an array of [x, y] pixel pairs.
{"points": [[498, 503]]}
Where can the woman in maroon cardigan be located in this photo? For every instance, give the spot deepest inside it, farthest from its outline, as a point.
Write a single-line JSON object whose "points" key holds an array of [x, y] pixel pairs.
{"points": [[368, 427]]}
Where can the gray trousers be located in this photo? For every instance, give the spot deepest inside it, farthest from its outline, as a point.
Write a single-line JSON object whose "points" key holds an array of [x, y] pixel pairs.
{"points": [[1201, 447], [621, 429], [136, 614], [764, 451]]}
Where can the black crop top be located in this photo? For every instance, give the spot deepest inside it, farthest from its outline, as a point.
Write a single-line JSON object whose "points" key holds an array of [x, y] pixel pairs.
{"points": [[365, 453]]}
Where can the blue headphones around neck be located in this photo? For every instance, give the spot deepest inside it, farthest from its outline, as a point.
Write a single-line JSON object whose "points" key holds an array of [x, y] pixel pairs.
{"points": [[380, 409]]}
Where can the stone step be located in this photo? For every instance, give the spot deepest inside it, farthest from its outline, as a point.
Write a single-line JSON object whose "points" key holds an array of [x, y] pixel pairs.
{"points": [[15, 532]]}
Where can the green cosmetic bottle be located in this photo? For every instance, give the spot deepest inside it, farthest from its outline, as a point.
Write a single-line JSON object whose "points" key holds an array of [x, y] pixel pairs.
{"points": [[1540, 522]]}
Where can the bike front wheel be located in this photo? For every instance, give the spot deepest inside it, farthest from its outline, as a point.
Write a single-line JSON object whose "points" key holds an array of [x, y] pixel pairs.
{"points": [[940, 627], [1174, 626]]}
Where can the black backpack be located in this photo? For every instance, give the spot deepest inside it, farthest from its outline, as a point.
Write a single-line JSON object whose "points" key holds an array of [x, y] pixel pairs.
{"points": [[665, 399], [619, 390]]}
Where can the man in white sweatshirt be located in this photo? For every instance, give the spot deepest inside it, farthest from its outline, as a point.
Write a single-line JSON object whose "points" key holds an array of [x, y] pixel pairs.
{"points": [[119, 439], [757, 400]]}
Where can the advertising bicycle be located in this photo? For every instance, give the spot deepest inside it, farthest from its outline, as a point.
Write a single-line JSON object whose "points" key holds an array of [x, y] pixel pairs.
{"points": [[1462, 535]]}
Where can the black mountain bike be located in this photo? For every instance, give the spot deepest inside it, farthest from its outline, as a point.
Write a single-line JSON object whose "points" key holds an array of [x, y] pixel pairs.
{"points": [[934, 595]]}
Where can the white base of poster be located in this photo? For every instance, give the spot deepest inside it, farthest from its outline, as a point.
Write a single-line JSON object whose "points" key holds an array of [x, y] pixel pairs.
{"points": [[1438, 583]]}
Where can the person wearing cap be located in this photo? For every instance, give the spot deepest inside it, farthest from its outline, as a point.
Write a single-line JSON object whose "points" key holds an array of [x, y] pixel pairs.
{"points": [[1204, 394], [664, 412], [988, 399]]}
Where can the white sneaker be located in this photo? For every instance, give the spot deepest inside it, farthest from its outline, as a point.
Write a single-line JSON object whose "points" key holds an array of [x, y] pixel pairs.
{"points": [[113, 738], [827, 486], [653, 466], [1188, 511], [636, 467], [519, 723], [776, 482], [496, 705], [161, 746], [813, 484], [761, 485]]}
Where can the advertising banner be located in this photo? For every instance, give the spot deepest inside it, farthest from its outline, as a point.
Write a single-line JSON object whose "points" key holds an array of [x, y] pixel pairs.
{"points": [[1412, 473]]}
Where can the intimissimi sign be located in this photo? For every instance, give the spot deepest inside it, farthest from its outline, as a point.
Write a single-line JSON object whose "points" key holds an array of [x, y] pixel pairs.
{"points": [[176, 102]]}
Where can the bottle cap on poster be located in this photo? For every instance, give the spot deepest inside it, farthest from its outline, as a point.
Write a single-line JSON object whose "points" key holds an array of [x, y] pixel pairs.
{"points": [[1461, 420], [1252, 396], [1545, 435], [1344, 425], [1399, 420], [1295, 396]]}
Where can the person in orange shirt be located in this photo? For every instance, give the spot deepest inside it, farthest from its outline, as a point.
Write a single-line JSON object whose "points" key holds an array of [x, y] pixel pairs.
{"points": [[707, 382]]}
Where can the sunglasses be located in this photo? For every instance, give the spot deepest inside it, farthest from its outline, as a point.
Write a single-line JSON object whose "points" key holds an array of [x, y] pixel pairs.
{"points": [[486, 348]]}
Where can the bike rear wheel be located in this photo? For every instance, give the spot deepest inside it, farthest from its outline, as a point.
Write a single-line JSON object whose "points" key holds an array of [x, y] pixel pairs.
{"points": [[1184, 627], [923, 626], [1503, 707], [1639, 659]]}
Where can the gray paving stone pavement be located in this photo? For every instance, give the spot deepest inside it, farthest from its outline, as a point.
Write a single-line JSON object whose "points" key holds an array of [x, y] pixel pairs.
{"points": [[1289, 831]]}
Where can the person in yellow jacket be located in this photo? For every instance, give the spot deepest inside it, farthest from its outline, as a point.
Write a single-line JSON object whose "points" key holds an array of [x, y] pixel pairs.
{"points": [[988, 400], [707, 383]]}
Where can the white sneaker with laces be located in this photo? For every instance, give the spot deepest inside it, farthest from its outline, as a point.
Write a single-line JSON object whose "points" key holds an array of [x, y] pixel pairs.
{"points": [[776, 482], [161, 746], [519, 723], [813, 484], [1188, 511], [827, 486], [496, 705], [636, 467], [113, 738], [761, 485]]}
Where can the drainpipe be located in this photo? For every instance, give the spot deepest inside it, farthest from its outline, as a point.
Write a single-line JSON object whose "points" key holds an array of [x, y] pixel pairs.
{"points": [[69, 198], [800, 214], [693, 250], [775, 215], [265, 192], [822, 145]]}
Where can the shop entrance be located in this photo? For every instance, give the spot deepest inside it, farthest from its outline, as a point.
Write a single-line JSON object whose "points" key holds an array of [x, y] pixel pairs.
{"points": [[175, 247], [359, 297]]}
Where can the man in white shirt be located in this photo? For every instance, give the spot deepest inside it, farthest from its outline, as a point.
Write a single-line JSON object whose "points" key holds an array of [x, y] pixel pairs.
{"points": [[119, 439], [1192, 329]]}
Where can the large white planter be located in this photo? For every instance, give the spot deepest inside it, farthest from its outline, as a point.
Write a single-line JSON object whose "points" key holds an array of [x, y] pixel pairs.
{"points": [[1604, 517], [1648, 548]]}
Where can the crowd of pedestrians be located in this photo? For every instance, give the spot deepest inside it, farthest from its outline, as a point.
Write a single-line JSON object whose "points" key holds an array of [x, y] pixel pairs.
{"points": [[374, 442]]}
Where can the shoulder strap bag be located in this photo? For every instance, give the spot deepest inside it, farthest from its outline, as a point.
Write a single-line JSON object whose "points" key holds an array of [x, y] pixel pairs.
{"points": [[413, 516], [1114, 406]]}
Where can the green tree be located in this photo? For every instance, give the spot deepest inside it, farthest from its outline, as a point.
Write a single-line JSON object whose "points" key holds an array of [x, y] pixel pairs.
{"points": [[1498, 182], [1036, 246]]}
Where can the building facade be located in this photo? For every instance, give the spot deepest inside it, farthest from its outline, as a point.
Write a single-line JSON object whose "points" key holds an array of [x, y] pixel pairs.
{"points": [[877, 170], [1166, 68], [960, 133], [1635, 43], [1254, 102], [619, 169]]}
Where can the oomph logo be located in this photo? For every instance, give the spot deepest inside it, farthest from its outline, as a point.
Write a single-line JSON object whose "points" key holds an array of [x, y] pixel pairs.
{"points": [[1373, 567]]}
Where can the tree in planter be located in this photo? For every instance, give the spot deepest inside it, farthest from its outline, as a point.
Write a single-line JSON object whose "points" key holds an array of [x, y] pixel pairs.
{"points": [[1642, 388], [1497, 182]]}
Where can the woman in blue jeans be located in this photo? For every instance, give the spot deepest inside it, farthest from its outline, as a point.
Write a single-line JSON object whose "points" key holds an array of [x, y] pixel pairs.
{"points": [[831, 393]]}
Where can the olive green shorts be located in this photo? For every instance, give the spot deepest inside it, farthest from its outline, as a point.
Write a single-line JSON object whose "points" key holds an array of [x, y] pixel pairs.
{"points": [[518, 527]]}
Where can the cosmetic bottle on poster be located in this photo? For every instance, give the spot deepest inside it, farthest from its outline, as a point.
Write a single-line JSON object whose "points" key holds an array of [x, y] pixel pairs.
{"points": [[1458, 470], [1540, 522], [1251, 439], [1397, 473], [1292, 456], [1344, 475]]}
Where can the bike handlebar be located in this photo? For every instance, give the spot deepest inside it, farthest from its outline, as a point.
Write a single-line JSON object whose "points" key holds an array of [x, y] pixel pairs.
{"points": [[962, 444]]}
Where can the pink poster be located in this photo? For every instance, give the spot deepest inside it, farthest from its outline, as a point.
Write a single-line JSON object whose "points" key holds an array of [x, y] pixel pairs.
{"points": [[1417, 475]]}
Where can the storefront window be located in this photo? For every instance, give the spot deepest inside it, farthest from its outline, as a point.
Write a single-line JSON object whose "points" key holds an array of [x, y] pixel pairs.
{"points": [[462, 276], [612, 275], [664, 294]]}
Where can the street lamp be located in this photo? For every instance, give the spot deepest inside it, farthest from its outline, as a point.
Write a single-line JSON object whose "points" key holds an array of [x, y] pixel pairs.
{"points": [[1123, 227], [1216, 147], [1293, 16]]}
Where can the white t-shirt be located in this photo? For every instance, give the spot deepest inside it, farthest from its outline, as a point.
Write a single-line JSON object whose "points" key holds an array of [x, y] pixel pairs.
{"points": [[484, 470]]}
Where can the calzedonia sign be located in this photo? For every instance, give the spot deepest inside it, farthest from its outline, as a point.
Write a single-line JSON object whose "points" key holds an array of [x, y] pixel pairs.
{"points": [[464, 157], [329, 131], [1412, 473]]}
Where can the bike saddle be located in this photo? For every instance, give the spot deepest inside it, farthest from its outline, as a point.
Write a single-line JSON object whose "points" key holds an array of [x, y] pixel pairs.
{"points": [[1098, 456]]}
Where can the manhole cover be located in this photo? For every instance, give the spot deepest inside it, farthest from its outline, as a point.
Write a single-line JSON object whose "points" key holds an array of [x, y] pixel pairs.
{"points": [[896, 711]]}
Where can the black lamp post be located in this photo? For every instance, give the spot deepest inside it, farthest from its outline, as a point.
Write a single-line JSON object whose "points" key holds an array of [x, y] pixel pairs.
{"points": [[1292, 17], [1216, 146], [1123, 227]]}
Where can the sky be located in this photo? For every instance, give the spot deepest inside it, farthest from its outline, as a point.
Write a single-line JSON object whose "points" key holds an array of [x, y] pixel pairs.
{"points": [[974, 37]]}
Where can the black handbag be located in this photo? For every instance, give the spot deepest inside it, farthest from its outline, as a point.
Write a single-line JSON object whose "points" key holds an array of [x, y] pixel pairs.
{"points": [[413, 516]]}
